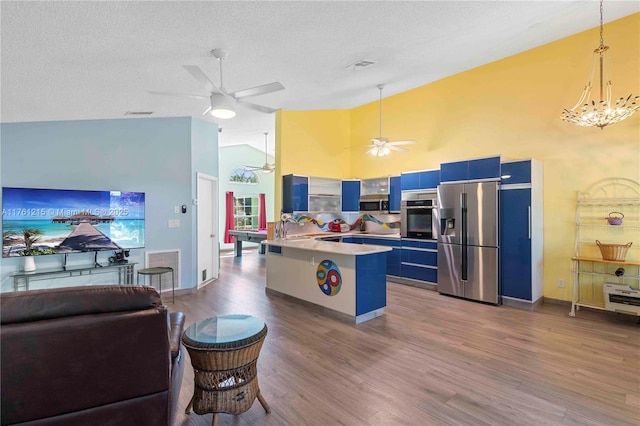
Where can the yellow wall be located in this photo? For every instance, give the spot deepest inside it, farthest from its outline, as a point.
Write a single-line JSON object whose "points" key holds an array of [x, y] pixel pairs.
{"points": [[510, 107], [311, 143]]}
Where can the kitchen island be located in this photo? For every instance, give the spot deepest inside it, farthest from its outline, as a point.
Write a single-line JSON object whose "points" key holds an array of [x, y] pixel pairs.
{"points": [[348, 280]]}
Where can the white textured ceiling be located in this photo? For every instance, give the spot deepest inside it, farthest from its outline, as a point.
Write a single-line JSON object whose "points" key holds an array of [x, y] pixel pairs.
{"points": [[95, 60]]}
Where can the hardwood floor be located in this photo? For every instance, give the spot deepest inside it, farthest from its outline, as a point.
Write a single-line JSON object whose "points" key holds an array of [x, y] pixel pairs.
{"points": [[429, 360]]}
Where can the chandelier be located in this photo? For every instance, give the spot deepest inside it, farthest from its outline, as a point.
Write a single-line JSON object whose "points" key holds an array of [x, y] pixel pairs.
{"points": [[588, 113]]}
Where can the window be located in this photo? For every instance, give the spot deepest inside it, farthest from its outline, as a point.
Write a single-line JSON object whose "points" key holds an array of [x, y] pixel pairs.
{"points": [[242, 175], [245, 212]]}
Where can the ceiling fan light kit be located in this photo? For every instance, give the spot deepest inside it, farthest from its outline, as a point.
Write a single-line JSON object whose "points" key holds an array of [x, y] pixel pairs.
{"points": [[222, 106], [601, 113], [381, 146], [223, 103]]}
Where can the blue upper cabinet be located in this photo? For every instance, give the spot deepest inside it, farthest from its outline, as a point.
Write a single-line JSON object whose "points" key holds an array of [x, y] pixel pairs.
{"points": [[394, 194], [451, 172], [410, 181], [428, 179], [482, 168], [516, 172], [485, 168], [350, 195], [295, 193]]}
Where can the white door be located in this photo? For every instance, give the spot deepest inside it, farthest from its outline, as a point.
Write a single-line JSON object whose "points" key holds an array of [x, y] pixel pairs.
{"points": [[208, 248]]}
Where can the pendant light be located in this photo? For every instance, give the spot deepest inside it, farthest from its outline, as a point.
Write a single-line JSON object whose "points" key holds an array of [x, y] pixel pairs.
{"points": [[588, 113]]}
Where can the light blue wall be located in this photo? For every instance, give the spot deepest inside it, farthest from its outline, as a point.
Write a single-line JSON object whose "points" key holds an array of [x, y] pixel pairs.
{"points": [[152, 155], [232, 157]]}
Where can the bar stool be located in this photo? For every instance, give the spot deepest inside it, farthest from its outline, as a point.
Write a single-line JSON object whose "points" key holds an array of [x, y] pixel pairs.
{"points": [[159, 270]]}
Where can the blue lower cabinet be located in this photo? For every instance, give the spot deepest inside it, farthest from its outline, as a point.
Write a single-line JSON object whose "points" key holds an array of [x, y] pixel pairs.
{"points": [[515, 244], [393, 256], [393, 262], [371, 283], [420, 273], [422, 244], [420, 257]]}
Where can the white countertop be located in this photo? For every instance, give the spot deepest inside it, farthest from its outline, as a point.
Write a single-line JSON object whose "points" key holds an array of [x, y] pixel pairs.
{"points": [[328, 246]]}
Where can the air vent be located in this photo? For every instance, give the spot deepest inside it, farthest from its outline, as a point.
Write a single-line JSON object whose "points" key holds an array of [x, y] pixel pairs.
{"points": [[138, 113], [361, 64]]}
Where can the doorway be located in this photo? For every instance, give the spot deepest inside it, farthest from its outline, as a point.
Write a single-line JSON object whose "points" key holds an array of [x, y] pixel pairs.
{"points": [[207, 228]]}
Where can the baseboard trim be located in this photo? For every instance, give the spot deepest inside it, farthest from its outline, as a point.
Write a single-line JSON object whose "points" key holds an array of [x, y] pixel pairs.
{"points": [[522, 304], [412, 283]]}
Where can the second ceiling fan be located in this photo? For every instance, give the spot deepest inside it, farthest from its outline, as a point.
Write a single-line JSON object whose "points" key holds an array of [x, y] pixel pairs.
{"points": [[382, 146], [267, 167], [223, 103]]}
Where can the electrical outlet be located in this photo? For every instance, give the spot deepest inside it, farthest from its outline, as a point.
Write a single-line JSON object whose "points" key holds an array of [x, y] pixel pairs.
{"points": [[560, 283], [176, 209]]}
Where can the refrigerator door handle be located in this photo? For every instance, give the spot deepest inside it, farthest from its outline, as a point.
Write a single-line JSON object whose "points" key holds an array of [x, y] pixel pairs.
{"points": [[465, 254], [529, 212]]}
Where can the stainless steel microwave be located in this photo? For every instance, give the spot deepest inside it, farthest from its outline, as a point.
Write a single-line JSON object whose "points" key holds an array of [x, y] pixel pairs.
{"points": [[375, 203]]}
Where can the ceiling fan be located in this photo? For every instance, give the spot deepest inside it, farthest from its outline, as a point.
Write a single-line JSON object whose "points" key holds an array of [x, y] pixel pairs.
{"points": [[381, 146], [266, 168], [222, 102]]}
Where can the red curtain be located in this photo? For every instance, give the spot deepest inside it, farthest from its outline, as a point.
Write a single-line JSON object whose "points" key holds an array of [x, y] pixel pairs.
{"points": [[228, 224], [262, 212]]}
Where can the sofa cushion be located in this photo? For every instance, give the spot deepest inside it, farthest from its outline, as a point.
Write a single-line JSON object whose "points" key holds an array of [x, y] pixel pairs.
{"points": [[36, 305]]}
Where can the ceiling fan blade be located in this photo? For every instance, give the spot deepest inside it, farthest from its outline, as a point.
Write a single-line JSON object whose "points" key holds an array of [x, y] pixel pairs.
{"points": [[252, 168], [201, 77], [258, 90], [396, 148], [183, 95], [256, 107], [206, 111], [402, 143]]}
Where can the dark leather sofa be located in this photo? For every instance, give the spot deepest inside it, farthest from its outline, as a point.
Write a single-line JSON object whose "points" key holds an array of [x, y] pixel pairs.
{"points": [[92, 355]]}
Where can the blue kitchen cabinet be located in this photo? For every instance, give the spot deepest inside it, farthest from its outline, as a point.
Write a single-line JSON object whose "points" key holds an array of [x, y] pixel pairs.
{"points": [[419, 260], [514, 172], [295, 193], [393, 256], [394, 194], [350, 195], [409, 181], [481, 168], [515, 243], [426, 179], [521, 232]]}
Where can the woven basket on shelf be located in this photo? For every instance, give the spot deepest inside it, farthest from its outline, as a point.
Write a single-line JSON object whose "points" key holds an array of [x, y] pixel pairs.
{"points": [[613, 251]]}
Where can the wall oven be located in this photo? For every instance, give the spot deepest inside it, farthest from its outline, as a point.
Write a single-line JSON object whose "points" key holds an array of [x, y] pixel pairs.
{"points": [[418, 215]]}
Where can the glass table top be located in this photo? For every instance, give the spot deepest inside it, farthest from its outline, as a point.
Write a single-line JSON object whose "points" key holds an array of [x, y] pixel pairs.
{"points": [[224, 329]]}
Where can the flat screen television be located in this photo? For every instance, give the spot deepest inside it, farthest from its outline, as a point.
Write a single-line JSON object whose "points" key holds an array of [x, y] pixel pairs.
{"points": [[52, 221]]}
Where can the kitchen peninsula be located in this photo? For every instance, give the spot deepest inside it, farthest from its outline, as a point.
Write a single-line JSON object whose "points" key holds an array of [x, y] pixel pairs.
{"points": [[346, 279]]}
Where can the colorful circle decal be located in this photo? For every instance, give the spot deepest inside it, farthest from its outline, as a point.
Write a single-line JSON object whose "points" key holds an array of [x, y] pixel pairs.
{"points": [[329, 278]]}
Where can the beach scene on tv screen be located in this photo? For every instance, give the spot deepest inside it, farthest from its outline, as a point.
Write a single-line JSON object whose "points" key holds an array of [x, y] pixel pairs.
{"points": [[53, 221]]}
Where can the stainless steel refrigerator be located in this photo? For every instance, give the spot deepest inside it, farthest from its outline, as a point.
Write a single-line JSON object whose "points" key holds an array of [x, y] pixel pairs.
{"points": [[468, 251]]}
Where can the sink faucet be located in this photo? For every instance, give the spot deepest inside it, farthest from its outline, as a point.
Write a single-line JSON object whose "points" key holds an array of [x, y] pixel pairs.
{"points": [[284, 219]]}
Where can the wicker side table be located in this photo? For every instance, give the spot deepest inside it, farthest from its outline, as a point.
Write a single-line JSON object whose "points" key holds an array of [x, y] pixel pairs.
{"points": [[224, 353]]}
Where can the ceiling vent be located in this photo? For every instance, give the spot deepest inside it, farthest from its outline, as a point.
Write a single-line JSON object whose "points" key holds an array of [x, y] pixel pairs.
{"points": [[138, 113], [361, 64]]}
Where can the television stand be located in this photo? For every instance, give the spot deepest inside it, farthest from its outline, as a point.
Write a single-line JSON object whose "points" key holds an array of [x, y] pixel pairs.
{"points": [[21, 279]]}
